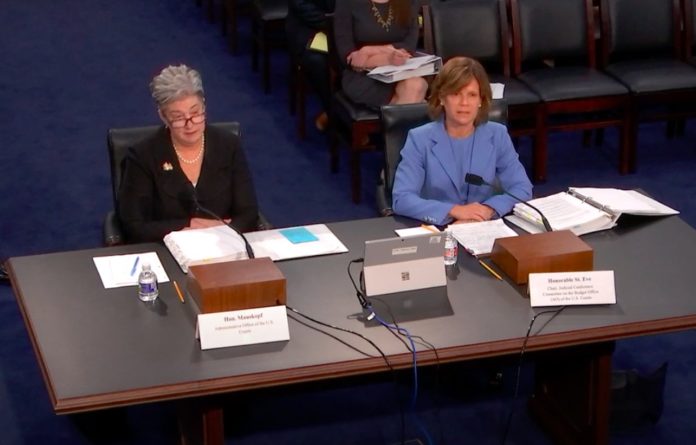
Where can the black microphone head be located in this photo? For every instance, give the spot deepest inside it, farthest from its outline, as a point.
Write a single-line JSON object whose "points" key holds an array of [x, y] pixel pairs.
{"points": [[190, 195], [191, 191], [473, 179]]}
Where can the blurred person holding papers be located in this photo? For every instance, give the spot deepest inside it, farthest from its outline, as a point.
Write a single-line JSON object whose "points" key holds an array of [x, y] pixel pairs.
{"points": [[372, 33], [430, 179], [183, 161]]}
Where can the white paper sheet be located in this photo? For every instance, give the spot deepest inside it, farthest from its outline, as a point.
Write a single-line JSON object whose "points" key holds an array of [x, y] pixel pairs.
{"points": [[115, 270], [273, 244]]}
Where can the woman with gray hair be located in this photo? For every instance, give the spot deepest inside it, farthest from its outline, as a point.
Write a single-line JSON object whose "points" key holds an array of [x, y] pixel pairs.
{"points": [[182, 160]]}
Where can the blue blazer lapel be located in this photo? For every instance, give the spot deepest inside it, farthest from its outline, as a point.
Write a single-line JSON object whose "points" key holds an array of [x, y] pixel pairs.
{"points": [[442, 151]]}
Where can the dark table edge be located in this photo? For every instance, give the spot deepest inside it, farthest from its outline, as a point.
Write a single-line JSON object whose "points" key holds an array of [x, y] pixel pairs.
{"points": [[363, 366], [30, 329]]}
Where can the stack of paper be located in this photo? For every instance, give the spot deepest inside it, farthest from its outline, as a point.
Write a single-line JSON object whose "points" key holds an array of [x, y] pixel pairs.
{"points": [[295, 242], [477, 238], [201, 246], [586, 210]]}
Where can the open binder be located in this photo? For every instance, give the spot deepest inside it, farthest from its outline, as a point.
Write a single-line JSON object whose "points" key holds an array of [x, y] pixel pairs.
{"points": [[419, 66], [218, 244], [586, 210]]}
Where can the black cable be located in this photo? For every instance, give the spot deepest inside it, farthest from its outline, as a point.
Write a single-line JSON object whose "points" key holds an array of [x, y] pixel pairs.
{"points": [[361, 295], [402, 415], [338, 328], [508, 422], [367, 307], [421, 341], [328, 334], [426, 344]]}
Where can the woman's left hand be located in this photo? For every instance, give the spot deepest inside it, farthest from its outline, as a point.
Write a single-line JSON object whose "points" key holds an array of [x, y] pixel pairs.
{"points": [[471, 213]]}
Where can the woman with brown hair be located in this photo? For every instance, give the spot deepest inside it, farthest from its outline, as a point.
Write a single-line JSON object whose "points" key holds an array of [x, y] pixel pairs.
{"points": [[372, 33], [430, 179]]}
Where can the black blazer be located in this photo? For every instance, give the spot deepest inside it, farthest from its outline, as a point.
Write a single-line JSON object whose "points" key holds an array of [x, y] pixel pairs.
{"points": [[155, 199]]}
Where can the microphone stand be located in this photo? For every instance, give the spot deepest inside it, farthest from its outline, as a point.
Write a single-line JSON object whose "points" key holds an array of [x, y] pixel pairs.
{"points": [[194, 196]]}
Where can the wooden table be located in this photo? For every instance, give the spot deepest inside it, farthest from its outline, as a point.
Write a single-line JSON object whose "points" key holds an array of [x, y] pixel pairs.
{"points": [[100, 348]]}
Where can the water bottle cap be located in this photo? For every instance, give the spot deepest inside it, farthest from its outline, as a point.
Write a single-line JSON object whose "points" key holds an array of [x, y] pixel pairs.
{"points": [[146, 265]]}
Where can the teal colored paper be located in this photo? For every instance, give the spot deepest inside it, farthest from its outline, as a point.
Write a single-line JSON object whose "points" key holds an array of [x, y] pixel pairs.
{"points": [[298, 235]]}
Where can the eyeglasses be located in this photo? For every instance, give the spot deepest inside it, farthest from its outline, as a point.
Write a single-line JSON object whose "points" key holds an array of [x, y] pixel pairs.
{"points": [[181, 123]]}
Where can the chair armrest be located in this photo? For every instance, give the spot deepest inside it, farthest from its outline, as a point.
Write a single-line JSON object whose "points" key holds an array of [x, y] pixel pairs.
{"points": [[112, 231], [383, 197], [498, 111]]}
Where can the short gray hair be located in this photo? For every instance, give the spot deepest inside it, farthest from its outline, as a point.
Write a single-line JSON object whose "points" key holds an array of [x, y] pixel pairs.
{"points": [[175, 82]]}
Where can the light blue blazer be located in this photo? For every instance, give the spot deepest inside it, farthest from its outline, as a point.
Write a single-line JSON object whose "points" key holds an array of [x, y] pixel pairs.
{"points": [[429, 181]]}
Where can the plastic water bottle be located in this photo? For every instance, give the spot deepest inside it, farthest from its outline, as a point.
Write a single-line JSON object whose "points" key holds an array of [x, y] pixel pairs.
{"points": [[450, 248], [147, 284]]}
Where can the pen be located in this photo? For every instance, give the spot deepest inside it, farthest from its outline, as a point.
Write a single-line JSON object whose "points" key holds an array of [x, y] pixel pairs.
{"points": [[488, 268], [178, 291], [135, 265], [430, 228]]}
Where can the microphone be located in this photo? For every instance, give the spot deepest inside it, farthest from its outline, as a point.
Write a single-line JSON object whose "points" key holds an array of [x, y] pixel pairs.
{"points": [[191, 191], [473, 179]]}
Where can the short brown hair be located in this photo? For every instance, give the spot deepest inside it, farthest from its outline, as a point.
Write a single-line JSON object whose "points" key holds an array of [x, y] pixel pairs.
{"points": [[455, 75]]}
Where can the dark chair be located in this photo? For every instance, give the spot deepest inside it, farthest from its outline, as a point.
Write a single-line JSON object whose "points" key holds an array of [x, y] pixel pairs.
{"points": [[554, 54], [479, 29], [297, 96], [650, 63], [231, 10], [397, 120], [267, 27], [352, 123], [209, 7], [119, 140], [689, 9]]}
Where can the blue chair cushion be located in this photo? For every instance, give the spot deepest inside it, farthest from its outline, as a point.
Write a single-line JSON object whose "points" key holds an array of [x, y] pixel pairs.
{"points": [[568, 83]]}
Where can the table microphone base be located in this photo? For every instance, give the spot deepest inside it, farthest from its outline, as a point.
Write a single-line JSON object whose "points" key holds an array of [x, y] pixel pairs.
{"points": [[561, 251], [236, 285]]}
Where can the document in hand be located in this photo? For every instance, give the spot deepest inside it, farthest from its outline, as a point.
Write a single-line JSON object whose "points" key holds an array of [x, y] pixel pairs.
{"points": [[201, 246], [295, 242], [586, 210], [422, 65]]}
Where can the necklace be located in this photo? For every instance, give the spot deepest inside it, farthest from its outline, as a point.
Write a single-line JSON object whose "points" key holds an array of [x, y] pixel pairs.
{"points": [[194, 160], [470, 138], [386, 24]]}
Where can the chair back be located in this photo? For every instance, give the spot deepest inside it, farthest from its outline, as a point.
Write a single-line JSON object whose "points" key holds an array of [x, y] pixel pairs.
{"points": [[472, 28], [561, 31], [640, 28], [119, 140], [397, 120], [689, 11]]}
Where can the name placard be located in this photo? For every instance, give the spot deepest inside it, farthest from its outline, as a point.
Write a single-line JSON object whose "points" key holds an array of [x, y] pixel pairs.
{"points": [[572, 288], [244, 327]]}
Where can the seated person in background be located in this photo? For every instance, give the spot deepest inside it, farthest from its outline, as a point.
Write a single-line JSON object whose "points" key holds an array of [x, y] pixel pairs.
{"points": [[182, 158], [429, 183], [375, 33], [305, 19]]}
